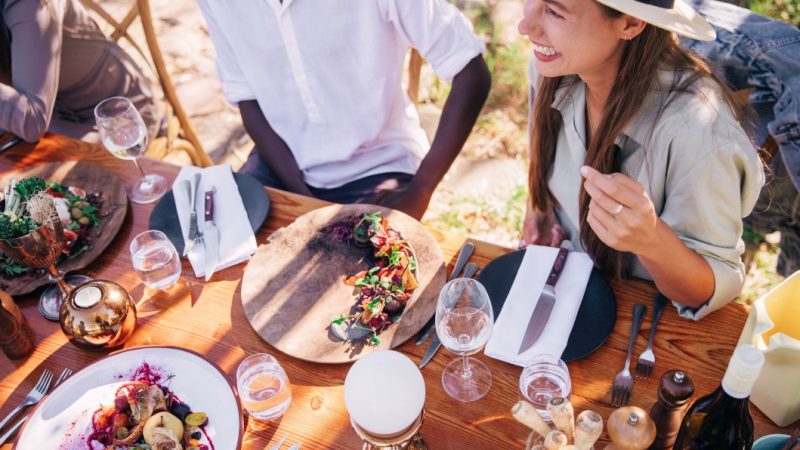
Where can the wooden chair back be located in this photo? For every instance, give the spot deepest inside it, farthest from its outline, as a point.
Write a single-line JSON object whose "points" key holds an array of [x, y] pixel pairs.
{"points": [[180, 135], [414, 69]]}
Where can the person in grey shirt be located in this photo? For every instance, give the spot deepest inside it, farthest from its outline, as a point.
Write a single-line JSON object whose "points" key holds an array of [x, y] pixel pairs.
{"points": [[56, 65]]}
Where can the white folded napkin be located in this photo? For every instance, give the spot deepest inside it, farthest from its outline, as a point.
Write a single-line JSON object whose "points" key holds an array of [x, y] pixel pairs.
{"points": [[236, 239], [510, 326]]}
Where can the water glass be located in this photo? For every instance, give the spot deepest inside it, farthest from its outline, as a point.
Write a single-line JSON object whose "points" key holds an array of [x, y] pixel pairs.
{"points": [[544, 377], [263, 387], [155, 259], [124, 134], [464, 321]]}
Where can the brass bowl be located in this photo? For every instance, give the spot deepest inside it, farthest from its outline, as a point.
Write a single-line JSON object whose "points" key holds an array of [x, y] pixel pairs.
{"points": [[39, 248], [98, 314]]}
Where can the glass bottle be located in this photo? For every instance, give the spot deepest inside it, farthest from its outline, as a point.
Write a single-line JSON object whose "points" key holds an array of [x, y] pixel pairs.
{"points": [[674, 392], [722, 418], [15, 339]]}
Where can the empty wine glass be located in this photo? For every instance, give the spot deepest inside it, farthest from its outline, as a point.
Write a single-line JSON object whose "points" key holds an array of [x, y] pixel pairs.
{"points": [[124, 135], [464, 321]]}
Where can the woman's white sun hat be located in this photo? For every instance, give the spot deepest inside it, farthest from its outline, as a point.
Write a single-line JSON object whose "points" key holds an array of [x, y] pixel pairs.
{"points": [[671, 15]]}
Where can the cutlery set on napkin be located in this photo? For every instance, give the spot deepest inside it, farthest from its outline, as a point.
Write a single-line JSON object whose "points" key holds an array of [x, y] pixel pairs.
{"points": [[213, 219], [541, 307]]}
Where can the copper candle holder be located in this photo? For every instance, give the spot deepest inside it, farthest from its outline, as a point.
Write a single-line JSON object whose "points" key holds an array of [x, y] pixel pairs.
{"points": [[98, 314]]}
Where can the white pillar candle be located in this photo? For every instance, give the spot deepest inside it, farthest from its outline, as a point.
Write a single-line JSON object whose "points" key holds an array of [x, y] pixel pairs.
{"points": [[365, 388], [88, 296]]}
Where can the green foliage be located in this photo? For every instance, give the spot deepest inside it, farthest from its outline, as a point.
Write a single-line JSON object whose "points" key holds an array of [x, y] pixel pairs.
{"points": [[785, 10], [494, 217]]}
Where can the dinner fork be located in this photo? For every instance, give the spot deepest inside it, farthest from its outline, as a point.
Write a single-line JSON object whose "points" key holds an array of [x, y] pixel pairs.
{"points": [[647, 359], [623, 381], [33, 396], [64, 374], [198, 238]]}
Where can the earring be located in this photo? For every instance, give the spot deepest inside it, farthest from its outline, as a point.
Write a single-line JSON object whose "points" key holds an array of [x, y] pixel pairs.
{"points": [[628, 36]]}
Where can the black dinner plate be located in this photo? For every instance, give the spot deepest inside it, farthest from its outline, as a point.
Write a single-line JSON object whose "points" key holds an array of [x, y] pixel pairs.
{"points": [[256, 202], [596, 316]]}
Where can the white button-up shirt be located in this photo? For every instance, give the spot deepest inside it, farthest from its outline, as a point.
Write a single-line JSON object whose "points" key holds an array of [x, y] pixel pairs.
{"points": [[327, 75], [694, 160]]}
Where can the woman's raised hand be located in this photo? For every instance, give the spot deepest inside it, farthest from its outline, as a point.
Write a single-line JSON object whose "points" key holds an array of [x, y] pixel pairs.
{"points": [[620, 211], [541, 228]]}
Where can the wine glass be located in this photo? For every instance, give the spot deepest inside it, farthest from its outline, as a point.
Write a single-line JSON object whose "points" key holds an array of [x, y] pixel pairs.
{"points": [[464, 321], [124, 135]]}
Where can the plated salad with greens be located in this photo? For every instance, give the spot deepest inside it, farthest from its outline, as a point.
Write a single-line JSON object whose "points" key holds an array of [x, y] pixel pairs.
{"points": [[383, 290], [77, 210], [146, 415]]}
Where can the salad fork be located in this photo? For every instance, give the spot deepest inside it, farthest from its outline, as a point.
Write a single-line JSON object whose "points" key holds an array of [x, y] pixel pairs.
{"points": [[33, 396], [623, 381], [64, 374], [647, 359]]}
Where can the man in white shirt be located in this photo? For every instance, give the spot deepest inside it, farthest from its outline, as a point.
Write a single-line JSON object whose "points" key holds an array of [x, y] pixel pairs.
{"points": [[319, 88]]}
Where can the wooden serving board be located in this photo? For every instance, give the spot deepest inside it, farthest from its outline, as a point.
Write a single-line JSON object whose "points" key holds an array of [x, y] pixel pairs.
{"points": [[294, 285], [91, 178]]}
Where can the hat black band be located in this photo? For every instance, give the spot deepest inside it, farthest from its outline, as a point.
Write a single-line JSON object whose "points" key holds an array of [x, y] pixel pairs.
{"points": [[668, 4]]}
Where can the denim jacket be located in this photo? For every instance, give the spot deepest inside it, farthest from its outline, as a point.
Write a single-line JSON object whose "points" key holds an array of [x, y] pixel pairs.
{"points": [[756, 51]]}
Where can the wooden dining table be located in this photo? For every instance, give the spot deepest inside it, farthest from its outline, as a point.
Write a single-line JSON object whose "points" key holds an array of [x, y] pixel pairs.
{"points": [[208, 318]]}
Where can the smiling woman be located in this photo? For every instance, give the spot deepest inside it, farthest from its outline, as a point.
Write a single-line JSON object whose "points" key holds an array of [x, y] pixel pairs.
{"points": [[637, 155]]}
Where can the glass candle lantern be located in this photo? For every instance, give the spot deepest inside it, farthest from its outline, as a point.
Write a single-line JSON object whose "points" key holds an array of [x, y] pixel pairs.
{"points": [[385, 425]]}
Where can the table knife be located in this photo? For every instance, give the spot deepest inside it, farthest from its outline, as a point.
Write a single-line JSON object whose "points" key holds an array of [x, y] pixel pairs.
{"points": [[12, 141], [469, 272], [463, 256], [210, 237], [546, 301]]}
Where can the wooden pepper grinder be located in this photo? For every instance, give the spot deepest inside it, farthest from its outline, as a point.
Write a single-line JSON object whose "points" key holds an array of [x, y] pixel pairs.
{"points": [[15, 335], [630, 428], [674, 392]]}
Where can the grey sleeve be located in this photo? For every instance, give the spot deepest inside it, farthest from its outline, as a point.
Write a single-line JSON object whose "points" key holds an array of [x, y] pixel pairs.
{"points": [[705, 205], [27, 105]]}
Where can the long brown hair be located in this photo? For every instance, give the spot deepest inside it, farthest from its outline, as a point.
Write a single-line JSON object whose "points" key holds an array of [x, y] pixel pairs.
{"points": [[642, 57]]}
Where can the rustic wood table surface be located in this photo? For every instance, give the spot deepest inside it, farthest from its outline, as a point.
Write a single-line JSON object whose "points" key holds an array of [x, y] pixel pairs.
{"points": [[208, 318]]}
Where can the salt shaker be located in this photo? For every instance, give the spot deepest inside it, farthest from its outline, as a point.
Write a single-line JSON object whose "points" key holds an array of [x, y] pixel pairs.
{"points": [[630, 428], [674, 392]]}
